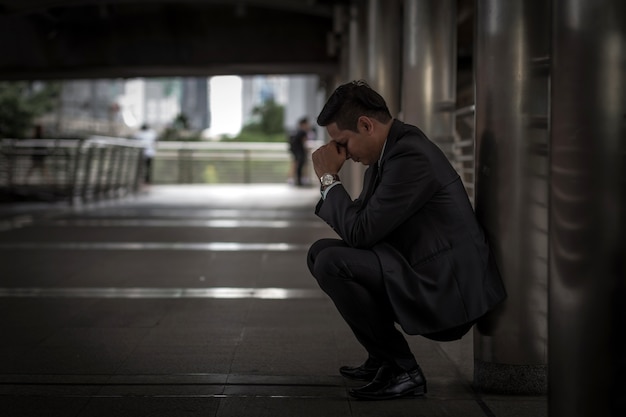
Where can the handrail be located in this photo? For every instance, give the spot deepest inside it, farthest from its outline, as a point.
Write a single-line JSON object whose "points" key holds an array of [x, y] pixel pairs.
{"points": [[100, 166], [93, 168], [463, 158], [465, 111], [219, 162]]}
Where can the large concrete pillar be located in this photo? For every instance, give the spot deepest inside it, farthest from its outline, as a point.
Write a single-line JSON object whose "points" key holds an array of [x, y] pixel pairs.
{"points": [[587, 300], [512, 42], [429, 68]]}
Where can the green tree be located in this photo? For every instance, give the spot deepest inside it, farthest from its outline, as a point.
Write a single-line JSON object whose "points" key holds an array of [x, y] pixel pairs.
{"points": [[272, 117], [21, 102]]}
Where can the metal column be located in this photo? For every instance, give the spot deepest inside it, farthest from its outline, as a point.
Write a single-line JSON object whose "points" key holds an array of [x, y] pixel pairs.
{"points": [[587, 209], [512, 93], [357, 42], [384, 32], [429, 68], [352, 173]]}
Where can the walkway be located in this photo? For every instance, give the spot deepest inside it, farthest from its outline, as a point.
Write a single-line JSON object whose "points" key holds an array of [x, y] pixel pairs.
{"points": [[192, 301]]}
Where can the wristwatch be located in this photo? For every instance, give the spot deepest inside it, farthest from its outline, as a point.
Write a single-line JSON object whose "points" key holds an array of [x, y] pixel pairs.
{"points": [[328, 179]]}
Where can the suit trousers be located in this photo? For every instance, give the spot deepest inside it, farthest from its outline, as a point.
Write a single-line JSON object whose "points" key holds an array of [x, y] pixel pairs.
{"points": [[353, 279]]}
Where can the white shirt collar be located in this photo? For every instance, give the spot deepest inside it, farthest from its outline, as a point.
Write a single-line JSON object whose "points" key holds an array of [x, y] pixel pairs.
{"points": [[382, 152]]}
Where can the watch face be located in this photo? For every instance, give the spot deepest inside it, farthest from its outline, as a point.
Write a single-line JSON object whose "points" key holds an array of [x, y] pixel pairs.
{"points": [[327, 179]]}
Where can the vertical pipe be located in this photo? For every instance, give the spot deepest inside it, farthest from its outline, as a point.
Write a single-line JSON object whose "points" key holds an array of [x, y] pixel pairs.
{"points": [[429, 68], [74, 178], [89, 155], [110, 189], [587, 209], [511, 191], [118, 185], [138, 169]]}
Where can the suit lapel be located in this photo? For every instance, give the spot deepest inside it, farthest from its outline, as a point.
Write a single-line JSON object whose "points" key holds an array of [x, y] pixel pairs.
{"points": [[372, 182]]}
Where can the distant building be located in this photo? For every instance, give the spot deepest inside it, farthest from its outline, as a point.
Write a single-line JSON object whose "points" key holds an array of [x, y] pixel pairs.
{"points": [[299, 94], [304, 99], [118, 107], [194, 102]]}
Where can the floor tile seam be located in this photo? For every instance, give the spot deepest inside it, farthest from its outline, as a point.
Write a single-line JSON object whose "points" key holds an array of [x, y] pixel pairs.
{"points": [[211, 246], [245, 319], [189, 396], [172, 384], [129, 355], [33, 216], [476, 396], [47, 218], [162, 293], [180, 223], [113, 380]]}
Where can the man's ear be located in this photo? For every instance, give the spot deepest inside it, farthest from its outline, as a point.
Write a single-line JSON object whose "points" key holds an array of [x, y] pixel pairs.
{"points": [[366, 124]]}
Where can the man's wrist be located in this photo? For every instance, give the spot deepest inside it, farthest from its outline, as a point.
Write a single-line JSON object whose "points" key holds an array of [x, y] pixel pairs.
{"points": [[325, 189], [328, 179]]}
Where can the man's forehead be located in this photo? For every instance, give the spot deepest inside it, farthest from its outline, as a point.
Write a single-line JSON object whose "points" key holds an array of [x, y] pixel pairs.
{"points": [[334, 131]]}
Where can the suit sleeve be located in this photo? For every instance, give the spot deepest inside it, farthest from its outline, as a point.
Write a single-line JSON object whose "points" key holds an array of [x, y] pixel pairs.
{"points": [[407, 182]]}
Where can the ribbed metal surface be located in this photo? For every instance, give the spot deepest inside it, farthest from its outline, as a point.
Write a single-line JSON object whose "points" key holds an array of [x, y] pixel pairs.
{"points": [[587, 206]]}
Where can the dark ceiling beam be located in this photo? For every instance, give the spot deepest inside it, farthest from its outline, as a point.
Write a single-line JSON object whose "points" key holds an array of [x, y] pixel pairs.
{"points": [[165, 39], [309, 7]]}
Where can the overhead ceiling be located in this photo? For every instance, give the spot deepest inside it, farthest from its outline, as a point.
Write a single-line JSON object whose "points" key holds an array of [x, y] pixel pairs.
{"points": [[46, 39], [99, 38]]}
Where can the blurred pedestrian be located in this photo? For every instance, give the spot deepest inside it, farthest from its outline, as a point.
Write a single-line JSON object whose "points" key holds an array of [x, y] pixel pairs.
{"points": [[148, 138], [297, 146]]}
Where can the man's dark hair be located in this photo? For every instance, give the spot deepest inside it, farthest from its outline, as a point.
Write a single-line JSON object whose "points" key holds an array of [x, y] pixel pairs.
{"points": [[351, 101]]}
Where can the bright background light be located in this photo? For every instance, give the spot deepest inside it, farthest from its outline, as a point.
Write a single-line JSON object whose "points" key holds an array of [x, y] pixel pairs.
{"points": [[226, 105]]}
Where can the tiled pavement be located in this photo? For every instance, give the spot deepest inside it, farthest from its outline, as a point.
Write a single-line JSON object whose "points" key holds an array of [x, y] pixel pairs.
{"points": [[192, 301]]}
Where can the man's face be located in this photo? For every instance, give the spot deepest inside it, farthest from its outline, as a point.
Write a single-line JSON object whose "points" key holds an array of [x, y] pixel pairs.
{"points": [[360, 146]]}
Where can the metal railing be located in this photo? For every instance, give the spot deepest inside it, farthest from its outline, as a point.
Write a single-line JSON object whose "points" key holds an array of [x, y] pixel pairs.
{"points": [[223, 162], [58, 169], [463, 154], [104, 167]]}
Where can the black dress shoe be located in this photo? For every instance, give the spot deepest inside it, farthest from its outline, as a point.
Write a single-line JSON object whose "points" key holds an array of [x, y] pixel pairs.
{"points": [[365, 372], [392, 382]]}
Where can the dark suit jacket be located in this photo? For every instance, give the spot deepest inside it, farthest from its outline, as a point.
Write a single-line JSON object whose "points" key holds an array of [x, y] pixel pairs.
{"points": [[416, 216]]}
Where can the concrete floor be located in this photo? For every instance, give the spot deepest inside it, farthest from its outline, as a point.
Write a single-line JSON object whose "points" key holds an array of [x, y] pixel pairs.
{"points": [[192, 301]]}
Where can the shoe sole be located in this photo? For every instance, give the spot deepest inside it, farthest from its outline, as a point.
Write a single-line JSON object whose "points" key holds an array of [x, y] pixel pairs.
{"points": [[417, 392], [355, 378]]}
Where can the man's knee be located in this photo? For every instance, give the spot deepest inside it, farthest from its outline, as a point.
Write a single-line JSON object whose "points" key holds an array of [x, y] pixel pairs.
{"points": [[321, 257], [321, 245], [311, 256]]}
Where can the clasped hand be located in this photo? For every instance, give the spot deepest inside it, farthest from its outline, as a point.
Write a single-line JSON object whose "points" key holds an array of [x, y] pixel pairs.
{"points": [[329, 158]]}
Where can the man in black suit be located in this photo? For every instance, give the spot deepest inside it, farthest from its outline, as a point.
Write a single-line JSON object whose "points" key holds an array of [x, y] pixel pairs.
{"points": [[411, 251]]}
